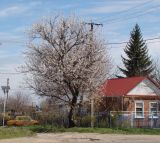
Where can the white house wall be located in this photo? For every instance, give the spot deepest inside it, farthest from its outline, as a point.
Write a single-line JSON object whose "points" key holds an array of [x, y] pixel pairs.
{"points": [[146, 87]]}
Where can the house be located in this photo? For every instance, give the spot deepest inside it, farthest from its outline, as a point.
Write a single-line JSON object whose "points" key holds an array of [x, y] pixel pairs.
{"points": [[135, 99]]}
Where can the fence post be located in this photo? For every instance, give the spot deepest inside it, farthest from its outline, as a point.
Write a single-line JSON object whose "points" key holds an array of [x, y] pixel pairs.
{"points": [[110, 119], [131, 119], [151, 120], [92, 112]]}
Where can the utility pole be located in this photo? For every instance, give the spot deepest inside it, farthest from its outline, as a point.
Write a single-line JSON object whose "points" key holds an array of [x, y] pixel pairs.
{"points": [[5, 91], [8, 87], [92, 24]]}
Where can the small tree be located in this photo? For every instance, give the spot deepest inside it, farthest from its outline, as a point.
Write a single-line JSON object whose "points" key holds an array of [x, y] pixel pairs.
{"points": [[156, 72], [137, 63], [19, 102], [63, 61]]}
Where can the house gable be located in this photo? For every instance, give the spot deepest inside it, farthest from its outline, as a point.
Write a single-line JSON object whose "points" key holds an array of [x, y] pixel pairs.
{"points": [[120, 86], [145, 87]]}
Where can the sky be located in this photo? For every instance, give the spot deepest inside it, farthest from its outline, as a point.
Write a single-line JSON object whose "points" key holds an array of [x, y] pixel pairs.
{"points": [[117, 16]]}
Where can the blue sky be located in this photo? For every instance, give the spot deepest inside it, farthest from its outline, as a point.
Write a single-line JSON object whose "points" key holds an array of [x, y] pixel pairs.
{"points": [[117, 16]]}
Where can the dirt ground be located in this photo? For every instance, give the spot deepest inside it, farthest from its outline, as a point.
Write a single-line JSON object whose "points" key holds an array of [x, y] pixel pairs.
{"points": [[85, 138]]}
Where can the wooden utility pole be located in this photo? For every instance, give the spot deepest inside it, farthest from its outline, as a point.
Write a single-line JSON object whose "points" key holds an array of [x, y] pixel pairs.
{"points": [[92, 24], [8, 87], [6, 91]]}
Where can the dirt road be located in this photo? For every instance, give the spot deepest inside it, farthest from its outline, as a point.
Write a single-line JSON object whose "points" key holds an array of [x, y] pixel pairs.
{"points": [[85, 138]]}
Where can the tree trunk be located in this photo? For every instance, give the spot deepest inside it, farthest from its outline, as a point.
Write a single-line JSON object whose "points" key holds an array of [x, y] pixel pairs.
{"points": [[70, 115], [70, 120]]}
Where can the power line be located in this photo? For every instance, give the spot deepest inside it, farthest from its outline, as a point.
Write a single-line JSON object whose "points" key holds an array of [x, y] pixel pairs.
{"points": [[125, 42], [150, 39], [132, 16], [26, 89], [141, 13], [129, 9], [110, 43], [11, 73], [12, 40]]}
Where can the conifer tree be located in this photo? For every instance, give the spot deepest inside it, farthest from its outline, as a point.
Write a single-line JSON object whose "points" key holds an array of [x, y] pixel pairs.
{"points": [[137, 62]]}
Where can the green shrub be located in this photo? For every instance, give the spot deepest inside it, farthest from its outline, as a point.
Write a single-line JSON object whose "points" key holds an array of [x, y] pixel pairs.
{"points": [[103, 123], [45, 129], [84, 121], [50, 118]]}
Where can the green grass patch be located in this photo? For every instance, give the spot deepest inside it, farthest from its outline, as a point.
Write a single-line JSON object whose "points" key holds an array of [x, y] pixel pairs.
{"points": [[53, 129], [14, 132], [116, 131]]}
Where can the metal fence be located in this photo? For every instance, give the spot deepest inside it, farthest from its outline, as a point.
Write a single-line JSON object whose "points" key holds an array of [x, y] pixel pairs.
{"points": [[135, 119], [112, 119]]}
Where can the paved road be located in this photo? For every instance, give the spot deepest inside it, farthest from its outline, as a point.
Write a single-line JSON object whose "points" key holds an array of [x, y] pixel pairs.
{"points": [[85, 138]]}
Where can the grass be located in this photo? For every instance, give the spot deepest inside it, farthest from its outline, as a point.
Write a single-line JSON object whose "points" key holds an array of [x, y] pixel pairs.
{"points": [[51, 129], [13, 132]]}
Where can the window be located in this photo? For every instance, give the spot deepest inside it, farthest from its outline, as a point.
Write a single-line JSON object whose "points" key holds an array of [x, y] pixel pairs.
{"points": [[153, 109], [139, 109]]}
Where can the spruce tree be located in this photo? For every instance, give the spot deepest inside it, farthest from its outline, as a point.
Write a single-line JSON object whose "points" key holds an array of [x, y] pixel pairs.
{"points": [[138, 62]]}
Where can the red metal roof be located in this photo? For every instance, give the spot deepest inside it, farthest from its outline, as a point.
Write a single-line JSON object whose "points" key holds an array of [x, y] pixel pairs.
{"points": [[120, 86]]}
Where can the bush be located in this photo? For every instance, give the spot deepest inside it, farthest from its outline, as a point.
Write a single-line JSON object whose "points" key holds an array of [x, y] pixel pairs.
{"points": [[84, 121], [50, 118], [45, 129], [103, 123]]}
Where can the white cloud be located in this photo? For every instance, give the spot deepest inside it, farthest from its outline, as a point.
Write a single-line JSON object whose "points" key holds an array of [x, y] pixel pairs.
{"points": [[10, 38], [35, 3], [21, 29], [19, 8], [7, 68], [154, 48], [12, 11], [8, 35]]}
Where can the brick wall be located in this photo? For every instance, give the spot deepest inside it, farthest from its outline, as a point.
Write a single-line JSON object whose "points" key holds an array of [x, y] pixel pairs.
{"points": [[111, 104], [115, 103], [129, 104]]}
